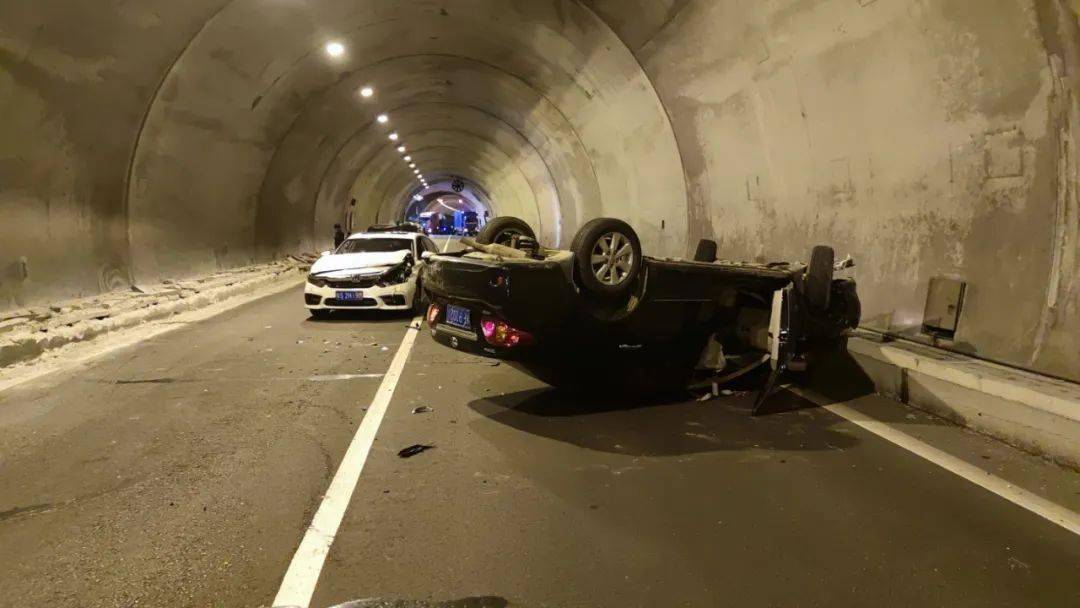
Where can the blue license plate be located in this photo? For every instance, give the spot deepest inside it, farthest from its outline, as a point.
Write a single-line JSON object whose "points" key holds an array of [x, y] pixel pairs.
{"points": [[350, 296], [458, 316]]}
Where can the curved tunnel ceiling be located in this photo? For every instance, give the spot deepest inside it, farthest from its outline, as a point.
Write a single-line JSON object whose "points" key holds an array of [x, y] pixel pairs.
{"points": [[422, 93], [353, 172], [266, 120]]}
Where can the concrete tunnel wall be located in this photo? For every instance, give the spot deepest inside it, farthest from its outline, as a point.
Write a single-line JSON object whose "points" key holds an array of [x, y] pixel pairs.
{"points": [[158, 139]]}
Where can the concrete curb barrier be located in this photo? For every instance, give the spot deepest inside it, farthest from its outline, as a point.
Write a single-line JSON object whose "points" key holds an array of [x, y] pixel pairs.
{"points": [[80, 321], [1035, 413]]}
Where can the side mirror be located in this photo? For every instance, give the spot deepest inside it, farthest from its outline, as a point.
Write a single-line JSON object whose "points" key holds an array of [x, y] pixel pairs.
{"points": [[427, 255], [325, 253]]}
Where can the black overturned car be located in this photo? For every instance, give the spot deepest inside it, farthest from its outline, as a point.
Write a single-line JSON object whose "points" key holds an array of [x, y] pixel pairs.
{"points": [[601, 316]]}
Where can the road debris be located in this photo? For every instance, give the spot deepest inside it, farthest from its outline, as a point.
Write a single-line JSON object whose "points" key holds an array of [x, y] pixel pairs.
{"points": [[413, 450], [423, 409], [712, 394]]}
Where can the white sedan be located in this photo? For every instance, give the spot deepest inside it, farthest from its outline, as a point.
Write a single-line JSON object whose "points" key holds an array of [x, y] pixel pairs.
{"points": [[369, 271]]}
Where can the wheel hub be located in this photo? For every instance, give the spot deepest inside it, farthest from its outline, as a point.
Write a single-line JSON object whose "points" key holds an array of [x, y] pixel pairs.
{"points": [[612, 258]]}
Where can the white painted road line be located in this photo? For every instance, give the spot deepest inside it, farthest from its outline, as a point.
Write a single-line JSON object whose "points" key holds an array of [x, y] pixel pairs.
{"points": [[338, 377], [1070, 520], [299, 584]]}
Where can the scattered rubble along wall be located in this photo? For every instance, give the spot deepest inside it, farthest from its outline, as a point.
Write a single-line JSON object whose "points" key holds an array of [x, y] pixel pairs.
{"points": [[168, 139], [28, 333]]}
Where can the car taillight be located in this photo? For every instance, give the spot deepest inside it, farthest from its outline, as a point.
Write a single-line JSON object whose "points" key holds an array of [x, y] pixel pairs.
{"points": [[433, 314], [499, 333]]}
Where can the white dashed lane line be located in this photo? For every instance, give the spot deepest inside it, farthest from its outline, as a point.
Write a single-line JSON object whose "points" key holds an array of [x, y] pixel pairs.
{"points": [[299, 583]]}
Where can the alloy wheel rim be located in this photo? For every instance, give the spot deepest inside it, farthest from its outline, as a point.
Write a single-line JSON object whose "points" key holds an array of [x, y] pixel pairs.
{"points": [[612, 258]]}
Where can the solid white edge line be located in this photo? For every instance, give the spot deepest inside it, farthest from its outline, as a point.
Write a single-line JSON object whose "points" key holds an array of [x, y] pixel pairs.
{"points": [[298, 586], [1052, 512]]}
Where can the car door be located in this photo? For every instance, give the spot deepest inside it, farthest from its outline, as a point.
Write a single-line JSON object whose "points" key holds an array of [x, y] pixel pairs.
{"points": [[421, 247], [429, 245]]}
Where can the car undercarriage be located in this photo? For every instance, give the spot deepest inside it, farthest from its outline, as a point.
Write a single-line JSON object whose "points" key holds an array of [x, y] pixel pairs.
{"points": [[603, 317]]}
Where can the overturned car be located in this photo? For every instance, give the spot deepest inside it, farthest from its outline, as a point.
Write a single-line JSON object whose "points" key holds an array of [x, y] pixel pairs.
{"points": [[603, 316]]}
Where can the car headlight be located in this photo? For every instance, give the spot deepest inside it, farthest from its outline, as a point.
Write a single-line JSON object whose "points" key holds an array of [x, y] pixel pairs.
{"points": [[316, 281], [397, 275]]}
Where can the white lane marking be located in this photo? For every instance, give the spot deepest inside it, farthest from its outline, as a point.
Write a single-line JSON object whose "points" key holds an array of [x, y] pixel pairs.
{"points": [[299, 583], [1070, 520], [336, 377]]}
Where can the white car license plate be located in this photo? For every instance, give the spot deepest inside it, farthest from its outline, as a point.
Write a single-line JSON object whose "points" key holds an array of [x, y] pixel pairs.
{"points": [[350, 296]]}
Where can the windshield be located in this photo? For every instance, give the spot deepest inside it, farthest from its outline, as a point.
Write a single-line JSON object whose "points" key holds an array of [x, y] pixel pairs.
{"points": [[374, 246]]}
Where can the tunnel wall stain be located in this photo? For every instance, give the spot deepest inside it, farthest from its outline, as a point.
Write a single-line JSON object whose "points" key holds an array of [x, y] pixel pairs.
{"points": [[925, 138], [73, 90]]}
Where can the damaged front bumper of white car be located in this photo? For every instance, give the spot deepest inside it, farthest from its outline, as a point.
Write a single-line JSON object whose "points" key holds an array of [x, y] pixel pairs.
{"points": [[381, 289]]}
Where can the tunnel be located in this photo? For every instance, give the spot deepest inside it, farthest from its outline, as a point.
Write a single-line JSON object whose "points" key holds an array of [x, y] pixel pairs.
{"points": [[448, 197], [162, 140], [260, 347]]}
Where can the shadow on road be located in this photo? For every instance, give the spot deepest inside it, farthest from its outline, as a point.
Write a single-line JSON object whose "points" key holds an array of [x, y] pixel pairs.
{"points": [[837, 378], [378, 317], [469, 602], [643, 428]]}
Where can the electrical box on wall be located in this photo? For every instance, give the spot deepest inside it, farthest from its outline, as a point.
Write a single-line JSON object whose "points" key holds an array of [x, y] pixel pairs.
{"points": [[944, 302]]}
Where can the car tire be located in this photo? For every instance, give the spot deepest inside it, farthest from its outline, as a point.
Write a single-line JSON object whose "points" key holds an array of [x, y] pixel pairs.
{"points": [[616, 241], [706, 251], [319, 314], [819, 277], [502, 229]]}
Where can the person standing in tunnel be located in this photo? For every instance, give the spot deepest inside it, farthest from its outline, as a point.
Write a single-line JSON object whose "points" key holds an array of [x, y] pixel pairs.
{"points": [[349, 214], [339, 236]]}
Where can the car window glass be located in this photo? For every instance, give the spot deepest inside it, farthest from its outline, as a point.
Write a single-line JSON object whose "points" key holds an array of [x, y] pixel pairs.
{"points": [[374, 245]]}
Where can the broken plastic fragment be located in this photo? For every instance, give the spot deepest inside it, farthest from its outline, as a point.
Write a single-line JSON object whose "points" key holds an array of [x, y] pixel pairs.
{"points": [[423, 409], [413, 450]]}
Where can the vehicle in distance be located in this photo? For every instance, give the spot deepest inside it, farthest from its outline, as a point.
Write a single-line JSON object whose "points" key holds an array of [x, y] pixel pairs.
{"points": [[372, 270], [467, 223], [602, 316]]}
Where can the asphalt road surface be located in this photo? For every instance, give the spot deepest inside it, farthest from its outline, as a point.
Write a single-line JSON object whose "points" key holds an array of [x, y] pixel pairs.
{"points": [[185, 471]]}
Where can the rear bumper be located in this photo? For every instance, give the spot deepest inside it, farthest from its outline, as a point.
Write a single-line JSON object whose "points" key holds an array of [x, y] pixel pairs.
{"points": [[532, 296], [468, 342]]}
